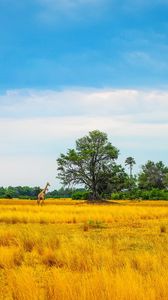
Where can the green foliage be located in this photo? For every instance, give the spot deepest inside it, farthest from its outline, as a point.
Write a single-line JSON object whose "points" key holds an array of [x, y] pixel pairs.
{"points": [[32, 192], [61, 193], [2, 192], [130, 161], [153, 176], [154, 194], [114, 180], [81, 195], [91, 163], [24, 192]]}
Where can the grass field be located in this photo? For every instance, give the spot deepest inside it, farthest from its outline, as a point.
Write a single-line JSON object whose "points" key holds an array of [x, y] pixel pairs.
{"points": [[71, 250]]}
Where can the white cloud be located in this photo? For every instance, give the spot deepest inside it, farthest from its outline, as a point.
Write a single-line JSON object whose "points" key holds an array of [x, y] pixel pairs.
{"points": [[106, 102], [40, 132]]}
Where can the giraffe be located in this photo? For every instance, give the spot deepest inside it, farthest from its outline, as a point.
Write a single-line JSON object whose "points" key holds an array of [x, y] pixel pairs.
{"points": [[41, 195]]}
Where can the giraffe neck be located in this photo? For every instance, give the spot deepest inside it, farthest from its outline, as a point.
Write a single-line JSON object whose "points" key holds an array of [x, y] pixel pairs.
{"points": [[45, 189]]}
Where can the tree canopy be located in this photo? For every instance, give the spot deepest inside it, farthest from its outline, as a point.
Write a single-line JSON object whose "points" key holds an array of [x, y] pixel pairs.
{"points": [[153, 175], [91, 163]]}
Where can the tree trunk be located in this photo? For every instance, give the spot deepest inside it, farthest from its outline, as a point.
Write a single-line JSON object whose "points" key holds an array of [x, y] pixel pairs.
{"points": [[130, 171], [95, 194]]}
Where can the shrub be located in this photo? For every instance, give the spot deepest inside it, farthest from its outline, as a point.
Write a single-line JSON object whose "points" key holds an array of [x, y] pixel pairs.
{"points": [[154, 194], [81, 195]]}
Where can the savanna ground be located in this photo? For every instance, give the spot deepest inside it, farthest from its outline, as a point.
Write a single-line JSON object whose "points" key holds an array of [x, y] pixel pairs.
{"points": [[71, 250]]}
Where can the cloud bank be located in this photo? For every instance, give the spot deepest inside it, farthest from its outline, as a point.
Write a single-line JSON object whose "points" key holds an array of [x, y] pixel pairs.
{"points": [[35, 126], [140, 105]]}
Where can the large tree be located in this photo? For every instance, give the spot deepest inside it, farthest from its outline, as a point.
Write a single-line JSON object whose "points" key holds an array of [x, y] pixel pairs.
{"points": [[153, 175], [90, 163]]}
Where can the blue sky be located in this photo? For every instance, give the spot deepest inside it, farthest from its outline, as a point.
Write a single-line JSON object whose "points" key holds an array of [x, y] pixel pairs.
{"points": [[70, 66], [52, 44]]}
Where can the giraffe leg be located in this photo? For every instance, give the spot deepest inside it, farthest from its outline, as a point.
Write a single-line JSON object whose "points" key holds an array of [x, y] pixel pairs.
{"points": [[39, 201]]}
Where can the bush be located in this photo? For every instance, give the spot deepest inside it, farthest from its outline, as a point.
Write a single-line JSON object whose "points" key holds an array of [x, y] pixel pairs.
{"points": [[8, 196], [81, 195], [117, 196], [154, 194]]}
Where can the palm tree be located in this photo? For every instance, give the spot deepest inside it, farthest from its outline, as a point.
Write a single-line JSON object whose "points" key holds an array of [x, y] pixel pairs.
{"points": [[130, 161]]}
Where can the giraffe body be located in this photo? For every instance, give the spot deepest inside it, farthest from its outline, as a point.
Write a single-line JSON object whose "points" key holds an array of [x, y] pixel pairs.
{"points": [[41, 195]]}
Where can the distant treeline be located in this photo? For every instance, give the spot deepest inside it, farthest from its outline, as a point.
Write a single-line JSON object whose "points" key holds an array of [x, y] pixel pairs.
{"points": [[26, 192], [150, 183], [153, 194]]}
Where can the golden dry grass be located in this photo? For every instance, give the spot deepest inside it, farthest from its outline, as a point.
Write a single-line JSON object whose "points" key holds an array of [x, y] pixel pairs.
{"points": [[71, 250]]}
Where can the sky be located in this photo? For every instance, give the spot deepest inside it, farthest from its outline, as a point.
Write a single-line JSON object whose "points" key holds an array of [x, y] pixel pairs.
{"points": [[71, 66]]}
